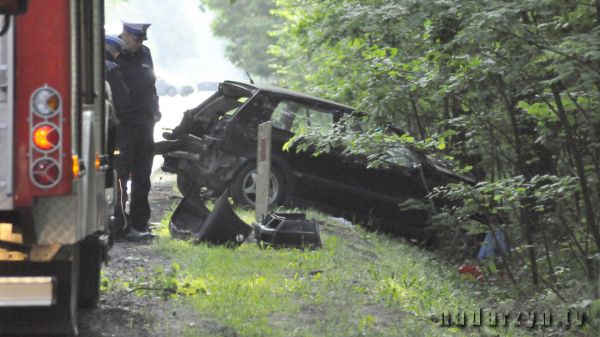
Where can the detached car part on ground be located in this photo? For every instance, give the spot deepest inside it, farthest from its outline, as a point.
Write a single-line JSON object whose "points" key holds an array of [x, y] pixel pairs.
{"points": [[214, 149], [192, 220]]}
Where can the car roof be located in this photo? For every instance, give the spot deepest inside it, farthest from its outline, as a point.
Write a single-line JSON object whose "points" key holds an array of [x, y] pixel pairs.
{"points": [[286, 92]]}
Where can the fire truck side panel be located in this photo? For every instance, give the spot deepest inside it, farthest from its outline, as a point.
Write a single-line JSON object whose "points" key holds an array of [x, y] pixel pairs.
{"points": [[93, 136], [6, 121], [102, 214], [53, 226], [90, 190], [43, 58], [74, 208]]}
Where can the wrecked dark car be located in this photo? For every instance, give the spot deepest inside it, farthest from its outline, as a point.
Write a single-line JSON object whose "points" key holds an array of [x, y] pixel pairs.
{"points": [[214, 149]]}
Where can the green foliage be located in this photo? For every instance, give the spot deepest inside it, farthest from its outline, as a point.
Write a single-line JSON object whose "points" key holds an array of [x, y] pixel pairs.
{"points": [[507, 91], [166, 283], [246, 25]]}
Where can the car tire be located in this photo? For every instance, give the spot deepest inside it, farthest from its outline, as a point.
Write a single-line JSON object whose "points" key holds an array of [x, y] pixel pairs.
{"points": [[171, 91], [243, 186]]}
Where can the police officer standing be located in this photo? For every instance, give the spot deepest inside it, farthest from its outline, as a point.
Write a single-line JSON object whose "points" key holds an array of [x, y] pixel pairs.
{"points": [[135, 132], [119, 98]]}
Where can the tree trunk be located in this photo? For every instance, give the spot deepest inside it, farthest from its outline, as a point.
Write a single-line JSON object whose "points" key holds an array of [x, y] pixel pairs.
{"points": [[417, 117], [579, 166], [525, 214]]}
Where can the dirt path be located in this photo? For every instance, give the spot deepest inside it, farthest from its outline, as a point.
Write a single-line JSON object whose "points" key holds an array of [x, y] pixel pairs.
{"points": [[124, 314]]}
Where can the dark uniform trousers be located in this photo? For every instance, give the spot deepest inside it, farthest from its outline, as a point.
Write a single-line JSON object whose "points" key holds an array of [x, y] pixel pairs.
{"points": [[136, 146]]}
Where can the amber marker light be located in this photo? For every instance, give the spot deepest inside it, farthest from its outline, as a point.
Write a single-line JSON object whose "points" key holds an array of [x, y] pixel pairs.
{"points": [[97, 161], [75, 166], [53, 103], [45, 137]]}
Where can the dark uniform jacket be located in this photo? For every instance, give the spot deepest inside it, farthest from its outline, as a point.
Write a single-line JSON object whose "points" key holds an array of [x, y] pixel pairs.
{"points": [[138, 71], [119, 91]]}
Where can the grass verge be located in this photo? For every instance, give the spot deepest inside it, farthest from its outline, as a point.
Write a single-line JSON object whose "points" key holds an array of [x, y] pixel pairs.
{"points": [[358, 284]]}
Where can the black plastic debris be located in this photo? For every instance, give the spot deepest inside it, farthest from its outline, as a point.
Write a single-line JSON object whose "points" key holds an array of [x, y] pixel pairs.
{"points": [[188, 217], [291, 230], [222, 225], [192, 220]]}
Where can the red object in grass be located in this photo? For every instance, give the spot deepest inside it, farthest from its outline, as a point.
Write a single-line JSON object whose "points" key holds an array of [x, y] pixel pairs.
{"points": [[470, 269]]}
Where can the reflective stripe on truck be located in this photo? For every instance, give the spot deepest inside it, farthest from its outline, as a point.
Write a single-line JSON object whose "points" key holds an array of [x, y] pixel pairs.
{"points": [[26, 291]]}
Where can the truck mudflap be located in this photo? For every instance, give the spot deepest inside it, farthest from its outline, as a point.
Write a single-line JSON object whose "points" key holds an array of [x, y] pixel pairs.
{"points": [[50, 307]]}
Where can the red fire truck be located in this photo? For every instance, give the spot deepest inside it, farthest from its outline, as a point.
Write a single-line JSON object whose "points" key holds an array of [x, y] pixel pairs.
{"points": [[54, 235]]}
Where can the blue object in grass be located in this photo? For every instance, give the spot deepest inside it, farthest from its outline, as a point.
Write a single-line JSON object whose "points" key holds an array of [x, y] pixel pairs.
{"points": [[491, 246]]}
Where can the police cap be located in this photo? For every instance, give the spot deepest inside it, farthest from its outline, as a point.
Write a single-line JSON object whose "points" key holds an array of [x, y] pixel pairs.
{"points": [[115, 41], [137, 29]]}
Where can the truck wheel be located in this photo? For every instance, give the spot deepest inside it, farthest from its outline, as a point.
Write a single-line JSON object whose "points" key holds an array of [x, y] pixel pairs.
{"points": [[243, 186], [89, 272]]}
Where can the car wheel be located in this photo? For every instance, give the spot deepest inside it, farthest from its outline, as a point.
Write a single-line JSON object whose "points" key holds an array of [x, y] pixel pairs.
{"points": [[243, 186], [171, 91]]}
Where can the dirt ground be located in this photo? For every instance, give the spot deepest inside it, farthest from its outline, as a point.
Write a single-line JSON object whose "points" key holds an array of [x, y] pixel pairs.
{"points": [[124, 314]]}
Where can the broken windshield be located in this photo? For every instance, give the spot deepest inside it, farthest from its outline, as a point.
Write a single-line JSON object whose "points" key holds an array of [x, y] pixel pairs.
{"points": [[224, 102], [297, 117]]}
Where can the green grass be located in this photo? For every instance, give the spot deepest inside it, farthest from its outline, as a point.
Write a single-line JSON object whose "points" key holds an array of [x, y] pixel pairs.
{"points": [[358, 284]]}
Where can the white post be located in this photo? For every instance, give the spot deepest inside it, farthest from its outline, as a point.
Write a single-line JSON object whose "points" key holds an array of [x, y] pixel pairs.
{"points": [[263, 168]]}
